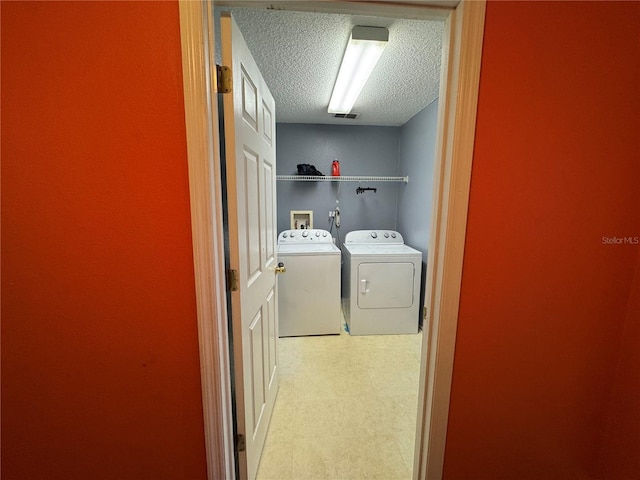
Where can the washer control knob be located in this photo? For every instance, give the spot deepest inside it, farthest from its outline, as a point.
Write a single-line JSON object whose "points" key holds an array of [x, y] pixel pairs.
{"points": [[292, 234], [317, 234], [393, 235], [374, 235], [305, 234], [284, 235], [386, 234], [324, 234]]}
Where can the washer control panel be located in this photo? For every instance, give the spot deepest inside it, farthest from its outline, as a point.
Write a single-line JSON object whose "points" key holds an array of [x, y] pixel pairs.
{"points": [[314, 235], [374, 237]]}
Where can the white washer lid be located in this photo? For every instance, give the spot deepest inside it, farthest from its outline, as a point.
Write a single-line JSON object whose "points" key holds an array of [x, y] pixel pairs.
{"points": [[308, 248]]}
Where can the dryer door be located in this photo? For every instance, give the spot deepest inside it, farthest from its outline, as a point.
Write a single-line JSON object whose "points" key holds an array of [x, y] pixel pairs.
{"points": [[386, 285]]}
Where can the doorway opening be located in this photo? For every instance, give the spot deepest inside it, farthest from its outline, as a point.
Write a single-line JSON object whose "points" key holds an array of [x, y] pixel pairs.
{"points": [[344, 389], [454, 147], [336, 389]]}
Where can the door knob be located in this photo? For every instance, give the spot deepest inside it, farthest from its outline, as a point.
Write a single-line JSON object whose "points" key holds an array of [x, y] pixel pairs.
{"points": [[280, 268]]}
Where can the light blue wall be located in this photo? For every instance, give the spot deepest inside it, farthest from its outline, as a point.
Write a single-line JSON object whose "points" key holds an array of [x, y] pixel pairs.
{"points": [[417, 157], [361, 150]]}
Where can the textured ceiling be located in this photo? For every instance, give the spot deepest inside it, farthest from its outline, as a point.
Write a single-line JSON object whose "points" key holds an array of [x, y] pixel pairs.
{"points": [[299, 55]]}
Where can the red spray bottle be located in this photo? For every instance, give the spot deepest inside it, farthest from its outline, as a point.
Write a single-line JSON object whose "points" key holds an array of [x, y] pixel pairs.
{"points": [[335, 168]]}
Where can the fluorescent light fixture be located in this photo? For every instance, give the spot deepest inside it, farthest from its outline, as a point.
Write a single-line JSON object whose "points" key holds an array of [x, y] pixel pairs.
{"points": [[363, 52]]}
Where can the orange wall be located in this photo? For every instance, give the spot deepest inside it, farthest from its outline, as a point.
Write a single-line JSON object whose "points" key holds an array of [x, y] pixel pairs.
{"points": [[621, 435], [100, 369], [544, 301]]}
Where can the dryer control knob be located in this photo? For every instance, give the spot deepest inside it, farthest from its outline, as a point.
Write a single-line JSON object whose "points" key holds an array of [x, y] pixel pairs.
{"points": [[393, 235], [374, 235], [317, 234], [292, 234], [386, 234], [324, 234], [305, 234]]}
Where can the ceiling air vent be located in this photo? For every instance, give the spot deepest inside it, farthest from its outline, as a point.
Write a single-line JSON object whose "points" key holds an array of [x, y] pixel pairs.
{"points": [[350, 116]]}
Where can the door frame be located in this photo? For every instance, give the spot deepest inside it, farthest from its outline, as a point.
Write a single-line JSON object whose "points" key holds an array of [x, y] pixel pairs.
{"points": [[207, 230], [459, 84]]}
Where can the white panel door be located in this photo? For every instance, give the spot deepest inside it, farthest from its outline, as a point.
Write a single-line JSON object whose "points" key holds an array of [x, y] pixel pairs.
{"points": [[249, 116]]}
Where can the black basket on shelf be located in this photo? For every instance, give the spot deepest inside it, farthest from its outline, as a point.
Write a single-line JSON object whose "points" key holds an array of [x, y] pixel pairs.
{"points": [[308, 170]]}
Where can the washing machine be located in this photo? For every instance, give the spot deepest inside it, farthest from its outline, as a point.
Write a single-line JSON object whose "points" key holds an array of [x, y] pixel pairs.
{"points": [[381, 283], [309, 291]]}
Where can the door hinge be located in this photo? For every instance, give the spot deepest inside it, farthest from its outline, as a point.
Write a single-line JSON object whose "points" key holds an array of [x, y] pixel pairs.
{"points": [[232, 280], [224, 78], [241, 443]]}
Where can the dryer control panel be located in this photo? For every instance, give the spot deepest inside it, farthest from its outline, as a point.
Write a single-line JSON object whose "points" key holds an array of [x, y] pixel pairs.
{"points": [[310, 235], [374, 237]]}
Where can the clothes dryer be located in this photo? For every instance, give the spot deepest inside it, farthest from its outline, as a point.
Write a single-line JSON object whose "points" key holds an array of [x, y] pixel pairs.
{"points": [[381, 283], [309, 291]]}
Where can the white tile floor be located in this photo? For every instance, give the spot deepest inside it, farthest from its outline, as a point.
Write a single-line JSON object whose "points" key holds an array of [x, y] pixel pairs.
{"points": [[346, 408]]}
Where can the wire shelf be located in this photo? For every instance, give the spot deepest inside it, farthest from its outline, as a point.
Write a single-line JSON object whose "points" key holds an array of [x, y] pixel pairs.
{"points": [[314, 178]]}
